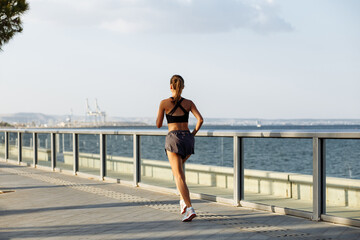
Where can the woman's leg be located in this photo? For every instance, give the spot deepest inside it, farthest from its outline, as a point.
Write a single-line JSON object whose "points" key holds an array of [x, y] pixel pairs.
{"points": [[176, 164], [184, 160]]}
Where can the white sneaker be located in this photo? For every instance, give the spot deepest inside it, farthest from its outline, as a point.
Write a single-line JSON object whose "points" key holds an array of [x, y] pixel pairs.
{"points": [[189, 215], [182, 206]]}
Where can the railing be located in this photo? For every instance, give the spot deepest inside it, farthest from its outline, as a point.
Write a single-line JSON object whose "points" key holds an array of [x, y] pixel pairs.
{"points": [[234, 184]]}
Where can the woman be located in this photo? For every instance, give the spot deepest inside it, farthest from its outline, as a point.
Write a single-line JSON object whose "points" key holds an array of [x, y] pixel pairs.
{"points": [[179, 144]]}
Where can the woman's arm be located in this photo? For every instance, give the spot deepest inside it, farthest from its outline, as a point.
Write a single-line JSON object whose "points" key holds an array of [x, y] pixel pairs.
{"points": [[160, 115], [199, 118]]}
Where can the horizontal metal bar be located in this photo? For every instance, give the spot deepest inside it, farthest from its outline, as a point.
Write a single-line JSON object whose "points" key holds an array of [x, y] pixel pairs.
{"points": [[351, 134], [340, 220], [276, 209]]}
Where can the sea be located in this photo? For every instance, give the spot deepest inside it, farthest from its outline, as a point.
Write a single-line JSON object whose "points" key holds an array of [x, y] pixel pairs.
{"points": [[291, 155]]}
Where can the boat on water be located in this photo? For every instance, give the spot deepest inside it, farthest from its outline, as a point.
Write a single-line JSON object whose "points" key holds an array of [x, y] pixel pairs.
{"points": [[258, 124]]}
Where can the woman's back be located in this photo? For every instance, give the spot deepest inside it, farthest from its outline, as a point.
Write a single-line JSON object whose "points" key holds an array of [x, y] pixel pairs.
{"points": [[170, 104], [177, 114]]}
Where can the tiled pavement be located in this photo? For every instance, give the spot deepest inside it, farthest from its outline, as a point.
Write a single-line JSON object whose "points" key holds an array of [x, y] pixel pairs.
{"points": [[38, 204]]}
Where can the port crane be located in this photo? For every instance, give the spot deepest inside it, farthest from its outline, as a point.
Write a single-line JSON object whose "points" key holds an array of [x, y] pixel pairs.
{"points": [[97, 114]]}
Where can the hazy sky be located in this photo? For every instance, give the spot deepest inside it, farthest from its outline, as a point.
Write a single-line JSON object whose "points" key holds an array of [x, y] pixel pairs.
{"points": [[239, 59]]}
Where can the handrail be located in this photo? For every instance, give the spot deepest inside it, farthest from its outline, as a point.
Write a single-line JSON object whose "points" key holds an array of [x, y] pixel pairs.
{"points": [[328, 134]]}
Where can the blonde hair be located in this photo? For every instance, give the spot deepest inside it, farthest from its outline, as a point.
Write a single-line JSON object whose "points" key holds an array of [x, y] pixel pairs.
{"points": [[177, 83]]}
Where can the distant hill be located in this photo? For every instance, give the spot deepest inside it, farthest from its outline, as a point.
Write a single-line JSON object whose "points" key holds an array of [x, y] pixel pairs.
{"points": [[38, 118], [5, 124]]}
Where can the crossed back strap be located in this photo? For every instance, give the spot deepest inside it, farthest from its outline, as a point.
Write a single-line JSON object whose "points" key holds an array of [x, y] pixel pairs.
{"points": [[178, 104]]}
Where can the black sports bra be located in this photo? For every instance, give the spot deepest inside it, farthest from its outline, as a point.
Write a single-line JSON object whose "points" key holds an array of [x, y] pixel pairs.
{"points": [[175, 119]]}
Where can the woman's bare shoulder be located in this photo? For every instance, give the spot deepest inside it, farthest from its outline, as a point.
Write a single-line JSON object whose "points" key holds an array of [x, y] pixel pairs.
{"points": [[166, 100], [188, 101]]}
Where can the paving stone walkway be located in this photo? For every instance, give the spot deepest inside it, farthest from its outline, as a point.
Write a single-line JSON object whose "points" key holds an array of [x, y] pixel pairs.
{"points": [[38, 204]]}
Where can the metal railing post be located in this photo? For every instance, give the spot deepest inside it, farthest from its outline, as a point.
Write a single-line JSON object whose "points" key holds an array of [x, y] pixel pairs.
{"points": [[319, 181], [35, 149], [102, 155], [76, 152], [53, 150], [137, 164], [6, 146], [238, 170], [19, 147]]}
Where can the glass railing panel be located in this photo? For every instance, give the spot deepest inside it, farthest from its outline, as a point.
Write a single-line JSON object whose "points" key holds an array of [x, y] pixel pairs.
{"points": [[119, 157], [44, 149], [27, 151], [13, 146], [343, 177], [278, 172], [64, 151], [211, 170], [89, 154], [155, 167], [2, 145]]}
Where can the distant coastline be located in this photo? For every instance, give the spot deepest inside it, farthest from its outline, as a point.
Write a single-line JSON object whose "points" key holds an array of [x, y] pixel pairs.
{"points": [[66, 121]]}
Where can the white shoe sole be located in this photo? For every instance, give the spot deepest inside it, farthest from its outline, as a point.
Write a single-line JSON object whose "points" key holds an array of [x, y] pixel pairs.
{"points": [[191, 217]]}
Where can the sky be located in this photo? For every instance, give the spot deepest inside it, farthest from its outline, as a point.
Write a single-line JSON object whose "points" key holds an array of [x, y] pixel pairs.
{"points": [[275, 59]]}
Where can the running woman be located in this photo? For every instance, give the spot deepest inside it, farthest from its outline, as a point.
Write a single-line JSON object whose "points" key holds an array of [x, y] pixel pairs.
{"points": [[179, 143]]}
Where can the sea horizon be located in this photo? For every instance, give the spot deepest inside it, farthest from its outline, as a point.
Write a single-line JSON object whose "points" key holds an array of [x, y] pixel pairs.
{"points": [[48, 120]]}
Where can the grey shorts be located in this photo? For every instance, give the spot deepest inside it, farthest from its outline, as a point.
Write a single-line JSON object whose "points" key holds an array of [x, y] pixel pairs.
{"points": [[181, 142]]}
